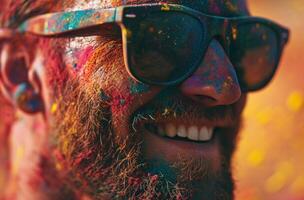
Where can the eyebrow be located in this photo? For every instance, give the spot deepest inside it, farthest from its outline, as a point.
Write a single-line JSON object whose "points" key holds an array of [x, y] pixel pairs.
{"points": [[26, 9]]}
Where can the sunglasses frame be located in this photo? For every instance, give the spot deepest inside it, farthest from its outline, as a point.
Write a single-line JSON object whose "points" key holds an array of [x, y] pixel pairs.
{"points": [[75, 23]]}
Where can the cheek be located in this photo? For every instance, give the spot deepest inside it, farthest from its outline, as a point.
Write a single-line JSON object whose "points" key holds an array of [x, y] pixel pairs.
{"points": [[81, 58], [121, 101], [125, 99], [77, 52], [102, 65], [51, 51], [129, 96], [105, 66]]}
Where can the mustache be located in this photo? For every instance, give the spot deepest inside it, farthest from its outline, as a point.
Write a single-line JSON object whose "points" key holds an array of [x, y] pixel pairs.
{"points": [[171, 104]]}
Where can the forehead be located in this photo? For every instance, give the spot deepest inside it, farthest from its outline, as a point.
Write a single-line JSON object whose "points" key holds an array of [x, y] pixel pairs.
{"points": [[17, 11], [217, 7]]}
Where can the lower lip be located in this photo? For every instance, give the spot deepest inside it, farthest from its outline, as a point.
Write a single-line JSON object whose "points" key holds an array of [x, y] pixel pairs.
{"points": [[174, 148]]}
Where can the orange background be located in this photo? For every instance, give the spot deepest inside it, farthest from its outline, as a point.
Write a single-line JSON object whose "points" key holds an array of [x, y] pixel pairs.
{"points": [[269, 163]]}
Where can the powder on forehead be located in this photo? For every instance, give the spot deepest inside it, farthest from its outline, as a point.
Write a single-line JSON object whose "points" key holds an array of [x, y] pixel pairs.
{"points": [[80, 5], [219, 7], [13, 12], [88, 4], [16, 10]]}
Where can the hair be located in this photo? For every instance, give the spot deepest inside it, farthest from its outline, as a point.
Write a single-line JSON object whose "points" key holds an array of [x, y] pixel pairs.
{"points": [[14, 12]]}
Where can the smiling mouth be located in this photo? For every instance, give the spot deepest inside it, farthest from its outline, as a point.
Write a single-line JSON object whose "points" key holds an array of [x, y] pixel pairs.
{"points": [[181, 132]]}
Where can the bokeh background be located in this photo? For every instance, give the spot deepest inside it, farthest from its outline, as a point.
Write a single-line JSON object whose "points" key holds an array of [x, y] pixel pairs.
{"points": [[269, 164]]}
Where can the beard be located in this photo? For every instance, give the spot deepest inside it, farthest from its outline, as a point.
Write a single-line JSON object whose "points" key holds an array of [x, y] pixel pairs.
{"points": [[91, 159]]}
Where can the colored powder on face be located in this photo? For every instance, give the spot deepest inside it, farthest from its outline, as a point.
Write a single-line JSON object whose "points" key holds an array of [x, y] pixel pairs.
{"points": [[104, 96], [13, 10], [220, 74], [137, 87], [97, 58], [212, 76], [89, 4], [54, 107], [120, 102], [216, 76], [18, 156], [53, 63], [82, 57]]}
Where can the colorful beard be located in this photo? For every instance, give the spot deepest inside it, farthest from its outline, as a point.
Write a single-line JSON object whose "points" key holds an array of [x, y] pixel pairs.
{"points": [[94, 161]]}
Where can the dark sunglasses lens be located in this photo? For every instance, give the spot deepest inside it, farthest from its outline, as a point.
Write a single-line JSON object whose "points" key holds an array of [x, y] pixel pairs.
{"points": [[254, 53], [164, 46]]}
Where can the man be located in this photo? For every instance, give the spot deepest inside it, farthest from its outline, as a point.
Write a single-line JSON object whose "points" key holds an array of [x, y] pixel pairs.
{"points": [[130, 99]]}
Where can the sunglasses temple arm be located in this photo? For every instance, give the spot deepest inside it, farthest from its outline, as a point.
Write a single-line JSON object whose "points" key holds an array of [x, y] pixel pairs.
{"points": [[286, 35], [67, 22]]}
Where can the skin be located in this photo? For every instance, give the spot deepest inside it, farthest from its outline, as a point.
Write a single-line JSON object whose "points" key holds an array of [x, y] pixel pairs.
{"points": [[211, 96]]}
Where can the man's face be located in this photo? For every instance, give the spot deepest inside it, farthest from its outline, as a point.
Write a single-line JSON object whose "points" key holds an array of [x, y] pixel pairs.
{"points": [[119, 138]]}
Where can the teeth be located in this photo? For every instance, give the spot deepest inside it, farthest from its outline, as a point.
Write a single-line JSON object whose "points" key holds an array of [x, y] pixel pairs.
{"points": [[170, 130], [193, 132], [181, 131], [205, 134]]}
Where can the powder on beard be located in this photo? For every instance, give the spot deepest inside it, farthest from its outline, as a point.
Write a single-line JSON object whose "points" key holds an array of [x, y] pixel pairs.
{"points": [[98, 163]]}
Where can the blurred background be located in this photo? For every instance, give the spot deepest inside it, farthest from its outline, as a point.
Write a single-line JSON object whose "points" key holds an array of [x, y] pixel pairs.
{"points": [[269, 164]]}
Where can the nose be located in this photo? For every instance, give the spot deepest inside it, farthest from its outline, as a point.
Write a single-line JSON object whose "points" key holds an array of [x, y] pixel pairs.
{"points": [[215, 81]]}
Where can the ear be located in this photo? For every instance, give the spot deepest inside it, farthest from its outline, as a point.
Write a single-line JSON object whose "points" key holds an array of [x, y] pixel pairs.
{"points": [[18, 80]]}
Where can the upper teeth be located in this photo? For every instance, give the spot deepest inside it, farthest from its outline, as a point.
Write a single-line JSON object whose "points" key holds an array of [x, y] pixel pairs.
{"points": [[191, 132]]}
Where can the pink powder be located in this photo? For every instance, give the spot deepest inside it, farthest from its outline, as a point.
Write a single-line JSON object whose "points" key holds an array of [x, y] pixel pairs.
{"points": [[83, 56]]}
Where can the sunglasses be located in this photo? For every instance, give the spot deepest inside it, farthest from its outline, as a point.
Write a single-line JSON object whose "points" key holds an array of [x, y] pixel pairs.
{"points": [[164, 44]]}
